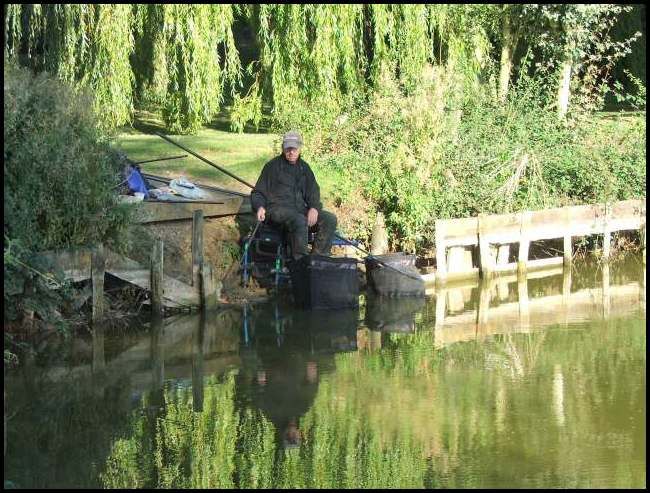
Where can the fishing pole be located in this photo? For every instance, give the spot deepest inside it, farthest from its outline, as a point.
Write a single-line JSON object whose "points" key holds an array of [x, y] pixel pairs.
{"points": [[206, 187], [160, 159], [204, 160], [183, 201]]}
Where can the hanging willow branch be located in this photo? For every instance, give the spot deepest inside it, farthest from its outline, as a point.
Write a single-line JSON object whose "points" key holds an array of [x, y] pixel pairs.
{"points": [[314, 58]]}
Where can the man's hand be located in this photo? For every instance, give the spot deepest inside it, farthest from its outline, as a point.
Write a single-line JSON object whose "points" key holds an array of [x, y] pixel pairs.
{"points": [[312, 217], [261, 214]]}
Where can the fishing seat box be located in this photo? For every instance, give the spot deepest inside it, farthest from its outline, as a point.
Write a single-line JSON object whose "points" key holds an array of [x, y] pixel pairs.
{"points": [[386, 281], [320, 282]]}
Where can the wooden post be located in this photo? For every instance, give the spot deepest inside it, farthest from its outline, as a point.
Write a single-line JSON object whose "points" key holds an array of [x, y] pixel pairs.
{"points": [[524, 244], [607, 234], [379, 241], [441, 254], [208, 287], [97, 269], [197, 247], [485, 257], [157, 278]]}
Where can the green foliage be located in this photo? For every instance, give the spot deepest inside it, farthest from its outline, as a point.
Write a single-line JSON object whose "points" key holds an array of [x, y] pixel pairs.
{"points": [[313, 58], [83, 44], [193, 35], [417, 161], [636, 100], [59, 180]]}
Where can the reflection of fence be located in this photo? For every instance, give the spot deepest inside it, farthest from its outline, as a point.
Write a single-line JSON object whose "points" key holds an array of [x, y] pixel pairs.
{"points": [[527, 313], [523, 228]]}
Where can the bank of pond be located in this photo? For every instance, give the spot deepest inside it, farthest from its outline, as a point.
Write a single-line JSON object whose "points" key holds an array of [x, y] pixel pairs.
{"points": [[483, 385]]}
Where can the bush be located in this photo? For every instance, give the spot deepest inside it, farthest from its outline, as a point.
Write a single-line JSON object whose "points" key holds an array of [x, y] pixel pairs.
{"points": [[59, 181], [418, 158]]}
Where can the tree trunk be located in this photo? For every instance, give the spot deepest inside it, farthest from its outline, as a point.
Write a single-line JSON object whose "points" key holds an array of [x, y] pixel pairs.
{"points": [[563, 92], [507, 52]]}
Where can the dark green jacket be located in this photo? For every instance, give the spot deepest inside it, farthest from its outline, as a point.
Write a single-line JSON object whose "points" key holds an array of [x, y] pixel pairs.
{"points": [[282, 184]]}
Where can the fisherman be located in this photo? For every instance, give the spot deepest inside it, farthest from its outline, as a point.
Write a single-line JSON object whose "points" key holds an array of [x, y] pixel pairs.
{"points": [[286, 194]]}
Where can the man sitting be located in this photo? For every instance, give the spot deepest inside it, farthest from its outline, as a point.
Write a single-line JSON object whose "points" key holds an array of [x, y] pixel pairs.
{"points": [[287, 194]]}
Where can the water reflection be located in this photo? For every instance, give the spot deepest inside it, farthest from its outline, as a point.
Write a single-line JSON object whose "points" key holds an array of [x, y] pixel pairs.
{"points": [[482, 385]]}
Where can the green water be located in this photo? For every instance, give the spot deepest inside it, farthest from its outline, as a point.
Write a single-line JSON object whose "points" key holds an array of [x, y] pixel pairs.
{"points": [[540, 385]]}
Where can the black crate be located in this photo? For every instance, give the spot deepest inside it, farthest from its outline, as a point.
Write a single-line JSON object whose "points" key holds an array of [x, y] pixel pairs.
{"points": [[320, 282], [394, 274]]}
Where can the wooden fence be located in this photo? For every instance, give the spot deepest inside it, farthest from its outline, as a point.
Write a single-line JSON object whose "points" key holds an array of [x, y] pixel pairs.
{"points": [[488, 231]]}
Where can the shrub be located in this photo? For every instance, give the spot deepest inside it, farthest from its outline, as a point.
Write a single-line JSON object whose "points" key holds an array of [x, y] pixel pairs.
{"points": [[418, 158], [59, 181]]}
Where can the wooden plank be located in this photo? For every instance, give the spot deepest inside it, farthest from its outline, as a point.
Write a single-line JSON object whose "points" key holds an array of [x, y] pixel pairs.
{"points": [[74, 263], [176, 294], [456, 228], [582, 220], [170, 211]]}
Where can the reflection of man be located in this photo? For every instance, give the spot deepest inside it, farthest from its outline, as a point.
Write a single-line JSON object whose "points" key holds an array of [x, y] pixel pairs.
{"points": [[287, 194], [286, 392]]}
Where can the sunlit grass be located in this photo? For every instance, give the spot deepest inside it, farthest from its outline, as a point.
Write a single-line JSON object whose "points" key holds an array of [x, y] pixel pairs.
{"points": [[242, 154]]}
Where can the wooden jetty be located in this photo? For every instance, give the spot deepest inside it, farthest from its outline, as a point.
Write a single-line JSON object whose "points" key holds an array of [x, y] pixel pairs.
{"points": [[82, 264], [230, 203], [495, 234]]}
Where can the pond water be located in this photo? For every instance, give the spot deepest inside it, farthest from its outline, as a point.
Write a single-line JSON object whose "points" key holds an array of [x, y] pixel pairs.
{"points": [[505, 384]]}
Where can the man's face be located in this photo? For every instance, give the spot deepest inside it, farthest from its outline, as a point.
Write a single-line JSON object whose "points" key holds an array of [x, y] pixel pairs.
{"points": [[291, 154]]}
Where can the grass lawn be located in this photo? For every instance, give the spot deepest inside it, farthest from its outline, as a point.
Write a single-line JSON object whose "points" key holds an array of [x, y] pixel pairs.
{"points": [[242, 154]]}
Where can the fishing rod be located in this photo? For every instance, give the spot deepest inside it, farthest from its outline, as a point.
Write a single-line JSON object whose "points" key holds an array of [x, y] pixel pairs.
{"points": [[372, 257], [205, 160], [206, 187], [184, 201], [160, 159]]}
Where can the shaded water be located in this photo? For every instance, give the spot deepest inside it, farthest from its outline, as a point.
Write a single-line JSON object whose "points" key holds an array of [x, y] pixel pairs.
{"points": [[505, 385]]}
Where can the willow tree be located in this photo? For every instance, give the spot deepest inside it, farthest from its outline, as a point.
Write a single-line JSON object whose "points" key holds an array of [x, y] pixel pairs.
{"points": [[193, 35], [181, 56], [84, 44], [310, 55]]}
